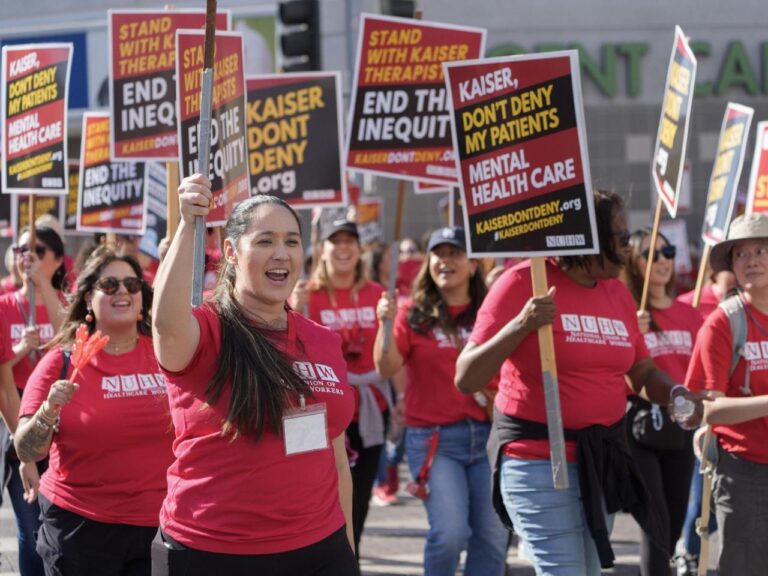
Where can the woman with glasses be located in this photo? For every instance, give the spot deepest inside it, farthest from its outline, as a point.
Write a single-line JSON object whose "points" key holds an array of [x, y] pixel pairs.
{"points": [[598, 344], [41, 268], [661, 449], [108, 433]]}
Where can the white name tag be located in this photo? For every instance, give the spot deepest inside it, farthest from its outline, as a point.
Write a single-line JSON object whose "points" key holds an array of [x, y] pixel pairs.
{"points": [[305, 430]]}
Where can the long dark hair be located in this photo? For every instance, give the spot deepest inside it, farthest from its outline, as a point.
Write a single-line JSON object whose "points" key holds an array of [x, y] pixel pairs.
{"points": [[261, 376], [54, 243], [636, 279], [429, 308], [78, 305], [607, 203]]}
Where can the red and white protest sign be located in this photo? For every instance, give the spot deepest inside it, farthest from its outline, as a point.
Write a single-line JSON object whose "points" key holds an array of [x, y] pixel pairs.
{"points": [[429, 188], [142, 80], [33, 118], [757, 192], [399, 119], [295, 138], [111, 196], [228, 164], [518, 125], [672, 136]]}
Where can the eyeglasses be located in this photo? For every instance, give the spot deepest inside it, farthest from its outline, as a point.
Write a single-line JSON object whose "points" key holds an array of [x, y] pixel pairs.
{"points": [[110, 285], [669, 252], [40, 250], [623, 238]]}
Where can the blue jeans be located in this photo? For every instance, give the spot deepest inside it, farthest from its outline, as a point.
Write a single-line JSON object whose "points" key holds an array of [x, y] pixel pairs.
{"points": [[392, 455], [459, 506], [27, 523], [691, 539], [550, 522]]}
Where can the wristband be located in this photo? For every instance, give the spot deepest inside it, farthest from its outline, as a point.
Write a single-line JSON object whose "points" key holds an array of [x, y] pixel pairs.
{"points": [[675, 387]]}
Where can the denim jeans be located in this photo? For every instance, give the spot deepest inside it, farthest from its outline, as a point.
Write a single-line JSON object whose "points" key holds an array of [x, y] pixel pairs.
{"points": [[459, 506], [550, 522], [391, 455], [27, 522], [691, 539]]}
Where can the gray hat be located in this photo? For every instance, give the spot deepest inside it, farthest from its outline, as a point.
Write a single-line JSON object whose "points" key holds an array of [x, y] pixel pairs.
{"points": [[330, 228], [748, 227]]}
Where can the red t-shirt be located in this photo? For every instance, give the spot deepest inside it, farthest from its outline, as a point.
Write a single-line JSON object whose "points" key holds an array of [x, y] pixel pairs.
{"points": [[16, 323], [6, 350], [709, 369], [430, 359], [245, 496], [353, 317], [707, 303], [671, 348], [596, 342], [109, 459]]}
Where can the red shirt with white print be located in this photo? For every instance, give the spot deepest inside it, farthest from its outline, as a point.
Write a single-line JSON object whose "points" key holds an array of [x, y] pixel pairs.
{"points": [[430, 359], [710, 368], [14, 309], [672, 346], [353, 317], [596, 342], [109, 458], [245, 496]]}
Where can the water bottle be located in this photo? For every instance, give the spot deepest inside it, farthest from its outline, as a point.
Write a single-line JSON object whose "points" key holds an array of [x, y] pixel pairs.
{"points": [[682, 411]]}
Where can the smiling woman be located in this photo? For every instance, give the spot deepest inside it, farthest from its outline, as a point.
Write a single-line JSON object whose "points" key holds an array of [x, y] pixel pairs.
{"points": [[260, 402]]}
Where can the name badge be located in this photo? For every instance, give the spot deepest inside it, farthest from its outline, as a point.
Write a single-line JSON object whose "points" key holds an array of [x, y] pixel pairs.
{"points": [[305, 429]]}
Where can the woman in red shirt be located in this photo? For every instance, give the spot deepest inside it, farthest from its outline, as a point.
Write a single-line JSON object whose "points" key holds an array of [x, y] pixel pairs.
{"points": [[259, 400], [661, 449], [597, 344], [108, 433], [343, 299], [442, 424], [738, 415]]}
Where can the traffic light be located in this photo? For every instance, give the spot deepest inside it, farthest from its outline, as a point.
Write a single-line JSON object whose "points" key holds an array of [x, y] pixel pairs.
{"points": [[401, 8], [300, 42]]}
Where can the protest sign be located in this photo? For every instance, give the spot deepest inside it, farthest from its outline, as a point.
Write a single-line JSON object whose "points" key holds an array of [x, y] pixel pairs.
{"points": [[518, 126], [672, 137], [370, 210], [50, 205], [399, 119], [154, 189], [294, 138], [142, 86], [33, 118], [429, 188], [731, 148], [757, 192], [228, 165], [111, 196]]}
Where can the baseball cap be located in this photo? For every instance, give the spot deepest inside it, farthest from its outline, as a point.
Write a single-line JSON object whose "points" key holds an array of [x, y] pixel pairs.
{"points": [[331, 228], [452, 235]]}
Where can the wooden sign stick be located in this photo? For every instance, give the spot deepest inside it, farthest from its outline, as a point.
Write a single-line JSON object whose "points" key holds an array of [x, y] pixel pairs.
{"points": [[394, 259], [32, 320], [651, 249], [703, 266]]}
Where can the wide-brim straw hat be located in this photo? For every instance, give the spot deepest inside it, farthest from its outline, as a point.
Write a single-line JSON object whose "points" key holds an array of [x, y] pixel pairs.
{"points": [[750, 227]]}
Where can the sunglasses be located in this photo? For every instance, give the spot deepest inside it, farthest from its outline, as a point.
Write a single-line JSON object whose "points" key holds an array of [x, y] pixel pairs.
{"points": [[110, 285], [669, 252], [40, 250]]}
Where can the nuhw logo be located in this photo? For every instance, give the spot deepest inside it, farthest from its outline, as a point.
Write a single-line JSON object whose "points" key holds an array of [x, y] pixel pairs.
{"points": [[315, 371], [133, 384], [593, 325]]}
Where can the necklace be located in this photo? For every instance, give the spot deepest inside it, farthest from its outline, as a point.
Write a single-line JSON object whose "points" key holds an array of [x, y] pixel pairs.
{"points": [[120, 347]]}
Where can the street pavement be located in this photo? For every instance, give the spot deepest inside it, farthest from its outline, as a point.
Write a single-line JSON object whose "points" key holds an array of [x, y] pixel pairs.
{"points": [[393, 542]]}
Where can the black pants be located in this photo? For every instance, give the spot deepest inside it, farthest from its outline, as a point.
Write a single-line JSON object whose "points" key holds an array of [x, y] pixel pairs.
{"points": [[329, 557], [71, 545], [667, 475], [363, 476]]}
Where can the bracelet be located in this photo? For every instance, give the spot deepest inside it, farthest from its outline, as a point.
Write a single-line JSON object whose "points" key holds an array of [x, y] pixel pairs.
{"points": [[45, 426], [675, 387], [43, 413]]}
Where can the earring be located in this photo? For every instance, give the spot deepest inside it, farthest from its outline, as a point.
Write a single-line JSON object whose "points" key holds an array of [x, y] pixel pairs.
{"points": [[89, 316], [140, 317]]}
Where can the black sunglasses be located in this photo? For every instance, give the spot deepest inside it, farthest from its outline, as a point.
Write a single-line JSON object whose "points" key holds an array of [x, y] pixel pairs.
{"points": [[110, 285], [669, 252], [40, 250]]}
